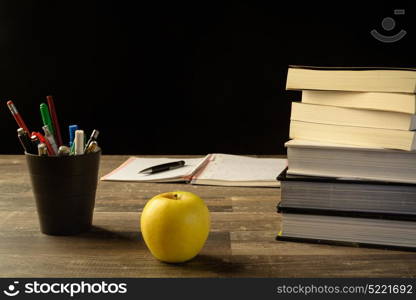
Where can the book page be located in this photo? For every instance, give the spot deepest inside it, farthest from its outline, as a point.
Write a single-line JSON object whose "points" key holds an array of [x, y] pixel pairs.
{"points": [[129, 170], [235, 168]]}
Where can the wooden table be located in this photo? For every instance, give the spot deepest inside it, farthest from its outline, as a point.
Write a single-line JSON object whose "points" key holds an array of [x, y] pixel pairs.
{"points": [[241, 243]]}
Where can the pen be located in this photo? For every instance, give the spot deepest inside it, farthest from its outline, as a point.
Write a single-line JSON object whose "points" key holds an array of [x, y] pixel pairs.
{"points": [[50, 138], [24, 139], [54, 116], [42, 150], [163, 167], [79, 142], [17, 116], [35, 140], [93, 137], [42, 140], [63, 151], [92, 147], [46, 117], [72, 129]]}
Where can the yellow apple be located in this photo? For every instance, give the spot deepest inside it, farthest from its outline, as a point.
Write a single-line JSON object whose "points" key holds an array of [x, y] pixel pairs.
{"points": [[175, 226]]}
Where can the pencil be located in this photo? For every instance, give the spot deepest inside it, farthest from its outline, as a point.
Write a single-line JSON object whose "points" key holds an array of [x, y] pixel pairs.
{"points": [[54, 117], [17, 116]]}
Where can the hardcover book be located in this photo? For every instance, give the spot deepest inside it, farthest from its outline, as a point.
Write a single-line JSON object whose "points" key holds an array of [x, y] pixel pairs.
{"points": [[349, 212]]}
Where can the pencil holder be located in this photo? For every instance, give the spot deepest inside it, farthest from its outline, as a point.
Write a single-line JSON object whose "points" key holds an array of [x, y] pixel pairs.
{"points": [[64, 188]]}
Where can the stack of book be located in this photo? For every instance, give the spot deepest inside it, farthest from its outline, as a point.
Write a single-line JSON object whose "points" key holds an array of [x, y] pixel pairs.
{"points": [[351, 176]]}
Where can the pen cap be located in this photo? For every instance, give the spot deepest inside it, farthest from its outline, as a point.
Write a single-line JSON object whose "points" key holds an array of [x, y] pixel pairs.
{"points": [[34, 139], [42, 150], [79, 142], [92, 147], [64, 188], [63, 150], [72, 129], [21, 131]]}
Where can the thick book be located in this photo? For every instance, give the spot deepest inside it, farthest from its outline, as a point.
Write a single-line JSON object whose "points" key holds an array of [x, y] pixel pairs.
{"points": [[331, 227], [347, 212], [347, 195], [358, 79], [213, 169], [353, 135], [312, 158], [395, 102], [352, 117], [348, 231]]}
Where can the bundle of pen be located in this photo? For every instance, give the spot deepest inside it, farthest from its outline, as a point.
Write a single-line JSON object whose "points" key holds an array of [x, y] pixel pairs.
{"points": [[50, 143]]}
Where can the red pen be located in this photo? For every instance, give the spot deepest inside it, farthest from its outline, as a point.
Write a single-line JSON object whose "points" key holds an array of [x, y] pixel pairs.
{"points": [[17, 116], [42, 139], [55, 122]]}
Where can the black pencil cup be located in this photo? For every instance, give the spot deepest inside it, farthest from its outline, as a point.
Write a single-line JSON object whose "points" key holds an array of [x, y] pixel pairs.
{"points": [[64, 188]]}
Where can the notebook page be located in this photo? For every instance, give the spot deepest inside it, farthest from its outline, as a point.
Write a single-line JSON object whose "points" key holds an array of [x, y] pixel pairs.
{"points": [[129, 170], [224, 167]]}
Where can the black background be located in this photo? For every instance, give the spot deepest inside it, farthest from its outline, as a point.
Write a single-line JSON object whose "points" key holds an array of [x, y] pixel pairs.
{"points": [[180, 77]]}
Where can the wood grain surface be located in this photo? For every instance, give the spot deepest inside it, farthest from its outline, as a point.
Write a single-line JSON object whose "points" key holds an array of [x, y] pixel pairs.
{"points": [[241, 243]]}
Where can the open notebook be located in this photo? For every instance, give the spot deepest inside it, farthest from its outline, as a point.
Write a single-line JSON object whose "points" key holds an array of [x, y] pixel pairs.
{"points": [[213, 169]]}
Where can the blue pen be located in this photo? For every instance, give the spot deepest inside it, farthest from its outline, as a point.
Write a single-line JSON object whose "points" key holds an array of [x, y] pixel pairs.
{"points": [[72, 129]]}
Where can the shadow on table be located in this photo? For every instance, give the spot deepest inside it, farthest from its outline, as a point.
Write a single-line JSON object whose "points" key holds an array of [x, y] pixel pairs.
{"points": [[216, 265], [100, 233]]}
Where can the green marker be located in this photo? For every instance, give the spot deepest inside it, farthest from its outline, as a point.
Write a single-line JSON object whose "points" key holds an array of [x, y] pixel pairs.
{"points": [[46, 117]]}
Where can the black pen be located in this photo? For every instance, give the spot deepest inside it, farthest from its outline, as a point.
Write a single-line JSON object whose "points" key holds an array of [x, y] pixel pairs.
{"points": [[26, 142], [163, 167], [93, 137]]}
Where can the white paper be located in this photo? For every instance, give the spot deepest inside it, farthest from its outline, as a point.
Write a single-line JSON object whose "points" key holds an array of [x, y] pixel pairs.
{"points": [[129, 171], [237, 168]]}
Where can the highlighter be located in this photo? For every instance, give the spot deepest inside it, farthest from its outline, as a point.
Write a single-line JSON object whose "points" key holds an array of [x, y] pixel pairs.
{"points": [[72, 129]]}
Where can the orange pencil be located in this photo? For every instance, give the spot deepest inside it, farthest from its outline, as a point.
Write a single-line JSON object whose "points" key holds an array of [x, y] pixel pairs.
{"points": [[17, 116]]}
